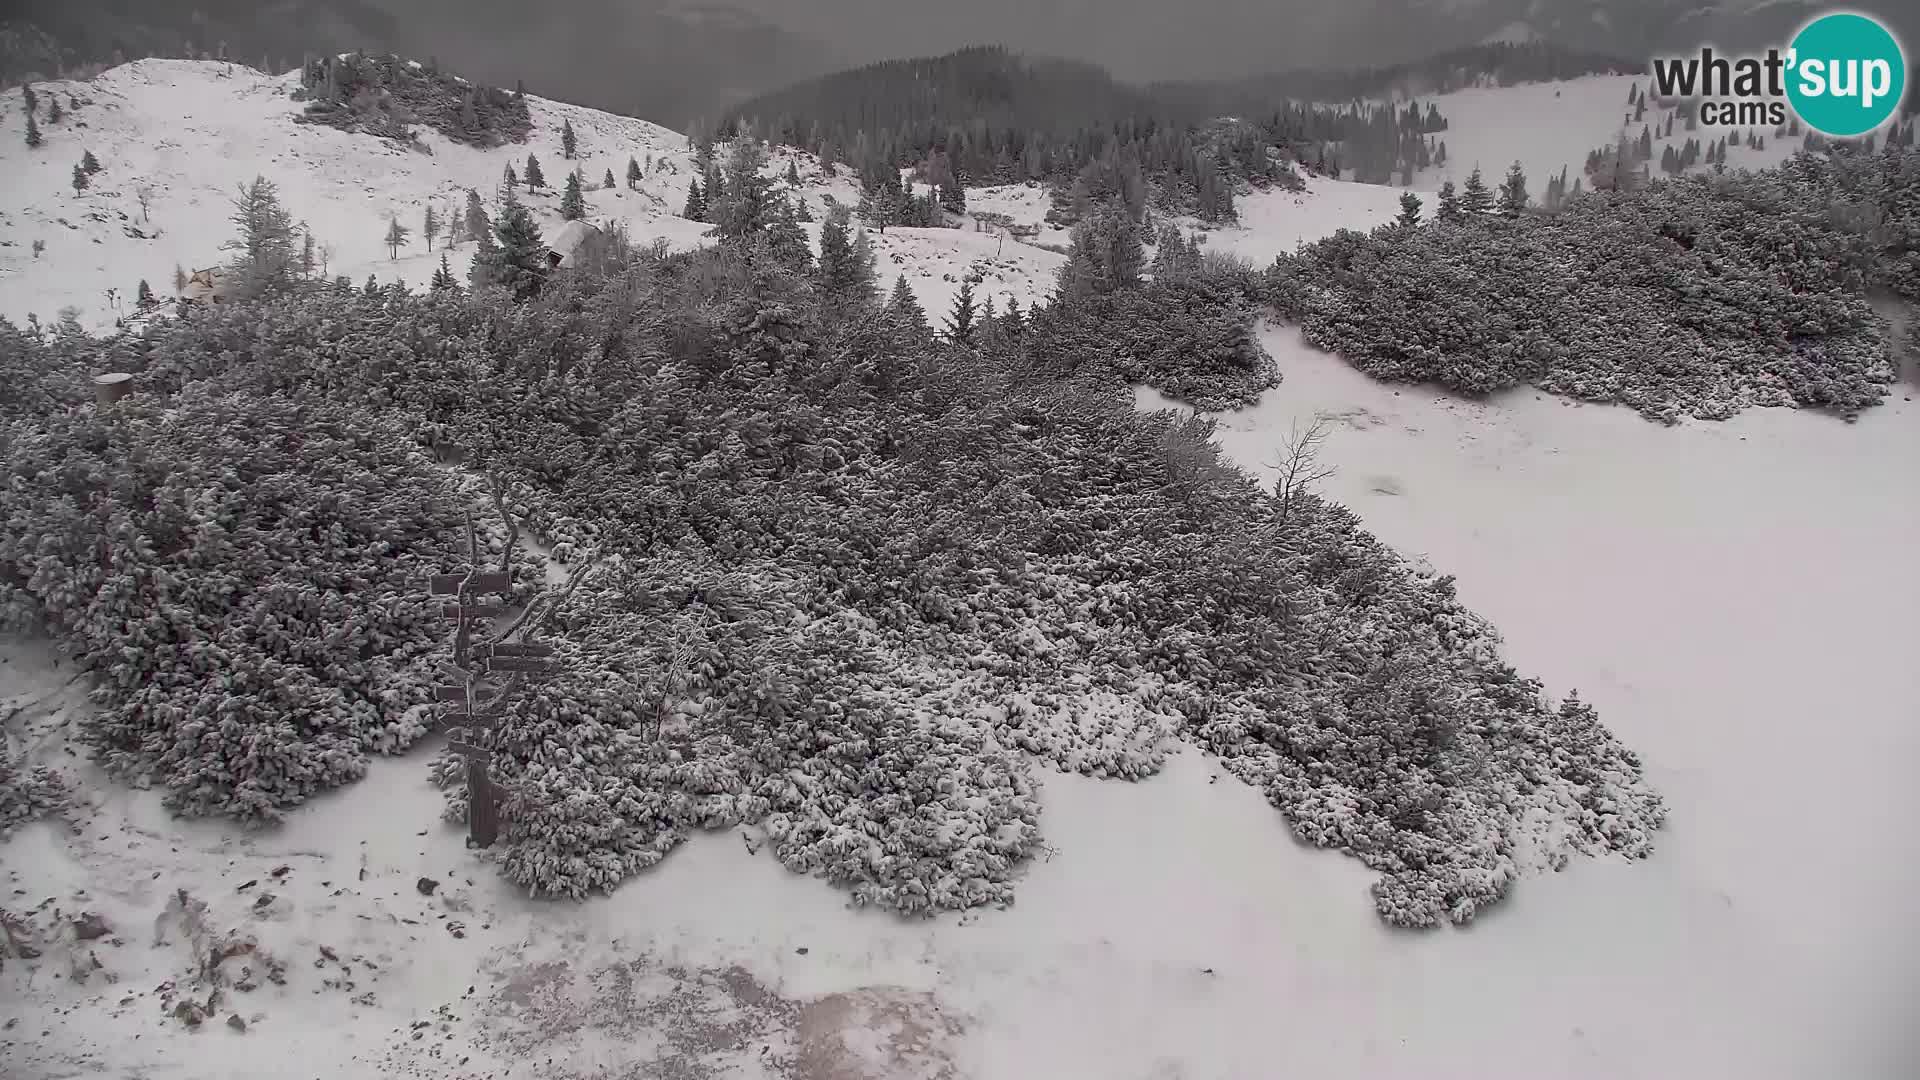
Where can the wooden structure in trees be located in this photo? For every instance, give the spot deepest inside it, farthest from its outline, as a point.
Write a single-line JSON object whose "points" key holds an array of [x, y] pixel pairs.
{"points": [[478, 704], [209, 286]]}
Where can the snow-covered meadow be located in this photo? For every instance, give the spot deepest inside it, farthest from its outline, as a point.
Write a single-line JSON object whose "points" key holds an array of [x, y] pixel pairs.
{"points": [[188, 133]]}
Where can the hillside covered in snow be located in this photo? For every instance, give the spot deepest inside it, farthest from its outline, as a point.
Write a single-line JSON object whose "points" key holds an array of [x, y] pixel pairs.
{"points": [[175, 139]]}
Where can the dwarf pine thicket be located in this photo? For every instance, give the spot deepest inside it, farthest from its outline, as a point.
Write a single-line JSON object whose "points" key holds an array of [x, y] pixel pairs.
{"points": [[851, 582], [1698, 296], [386, 95]]}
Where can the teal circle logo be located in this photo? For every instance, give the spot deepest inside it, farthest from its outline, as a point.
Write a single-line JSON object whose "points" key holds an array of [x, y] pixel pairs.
{"points": [[1846, 74]]}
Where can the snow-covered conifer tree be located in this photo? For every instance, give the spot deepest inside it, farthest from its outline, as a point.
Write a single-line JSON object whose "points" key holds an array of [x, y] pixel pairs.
{"points": [[396, 237], [1409, 210], [573, 203]]}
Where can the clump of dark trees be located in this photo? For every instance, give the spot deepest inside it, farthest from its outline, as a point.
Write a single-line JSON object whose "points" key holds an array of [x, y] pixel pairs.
{"points": [[985, 115], [387, 96], [838, 577], [1697, 296]]}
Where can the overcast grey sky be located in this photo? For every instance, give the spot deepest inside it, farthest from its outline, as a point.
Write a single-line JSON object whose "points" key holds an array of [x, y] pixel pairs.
{"points": [[1140, 39]]}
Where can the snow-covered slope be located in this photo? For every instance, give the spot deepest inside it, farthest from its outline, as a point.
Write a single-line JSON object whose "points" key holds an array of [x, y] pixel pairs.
{"points": [[189, 133], [1550, 126]]}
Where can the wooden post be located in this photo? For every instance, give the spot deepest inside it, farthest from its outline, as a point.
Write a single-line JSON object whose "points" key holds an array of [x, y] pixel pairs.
{"points": [[111, 387], [476, 704], [483, 803]]}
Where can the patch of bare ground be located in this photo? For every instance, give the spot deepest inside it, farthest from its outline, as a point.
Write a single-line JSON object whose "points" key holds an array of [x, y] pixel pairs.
{"points": [[641, 1018]]}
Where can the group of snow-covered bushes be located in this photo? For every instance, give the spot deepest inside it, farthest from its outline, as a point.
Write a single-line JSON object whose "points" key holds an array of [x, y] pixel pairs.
{"points": [[386, 95], [845, 583], [1699, 296]]}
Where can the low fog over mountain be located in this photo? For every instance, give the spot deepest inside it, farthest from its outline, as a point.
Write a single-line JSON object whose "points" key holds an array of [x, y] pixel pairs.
{"points": [[672, 60]]}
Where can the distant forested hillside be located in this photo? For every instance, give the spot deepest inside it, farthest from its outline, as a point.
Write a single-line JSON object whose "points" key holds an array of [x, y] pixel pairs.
{"points": [[987, 115], [1492, 63]]}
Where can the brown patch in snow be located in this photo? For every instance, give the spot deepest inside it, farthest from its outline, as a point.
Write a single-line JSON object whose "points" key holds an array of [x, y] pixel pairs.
{"points": [[642, 1018]]}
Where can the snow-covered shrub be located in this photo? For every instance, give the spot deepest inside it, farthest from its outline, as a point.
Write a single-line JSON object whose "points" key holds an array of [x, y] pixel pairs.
{"points": [[28, 792], [850, 586], [244, 576], [1698, 297], [1192, 339], [385, 95]]}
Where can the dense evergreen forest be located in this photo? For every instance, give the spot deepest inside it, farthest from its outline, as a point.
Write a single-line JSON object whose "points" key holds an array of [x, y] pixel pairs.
{"points": [[987, 115]]}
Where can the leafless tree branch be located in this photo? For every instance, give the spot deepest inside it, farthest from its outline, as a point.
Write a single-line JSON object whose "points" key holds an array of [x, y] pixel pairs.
{"points": [[1298, 461]]}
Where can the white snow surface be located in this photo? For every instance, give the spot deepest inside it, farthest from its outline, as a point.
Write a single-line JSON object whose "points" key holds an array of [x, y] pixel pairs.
{"points": [[1553, 125], [191, 132], [1737, 599]]}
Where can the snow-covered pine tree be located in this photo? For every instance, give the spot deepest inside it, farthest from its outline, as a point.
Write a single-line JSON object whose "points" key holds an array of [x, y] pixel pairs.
{"points": [[1077, 279], [179, 279], [520, 262], [430, 226], [1513, 192], [29, 98], [786, 239], [1475, 198], [396, 237], [1409, 210], [535, 178], [145, 296], [1169, 254], [573, 203], [633, 173], [79, 179], [90, 163], [33, 131], [742, 210], [607, 182], [443, 279], [904, 308], [54, 113], [960, 319], [696, 206], [568, 143], [833, 276], [793, 175], [866, 266], [509, 179], [307, 252], [264, 257]]}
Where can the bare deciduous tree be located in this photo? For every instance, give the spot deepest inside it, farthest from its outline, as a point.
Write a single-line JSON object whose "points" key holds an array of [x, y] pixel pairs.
{"points": [[1298, 463]]}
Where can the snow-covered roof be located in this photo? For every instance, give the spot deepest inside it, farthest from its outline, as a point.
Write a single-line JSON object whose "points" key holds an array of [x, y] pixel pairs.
{"points": [[567, 239]]}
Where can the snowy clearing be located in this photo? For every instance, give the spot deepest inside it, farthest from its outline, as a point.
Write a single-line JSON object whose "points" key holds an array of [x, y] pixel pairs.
{"points": [[190, 132]]}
